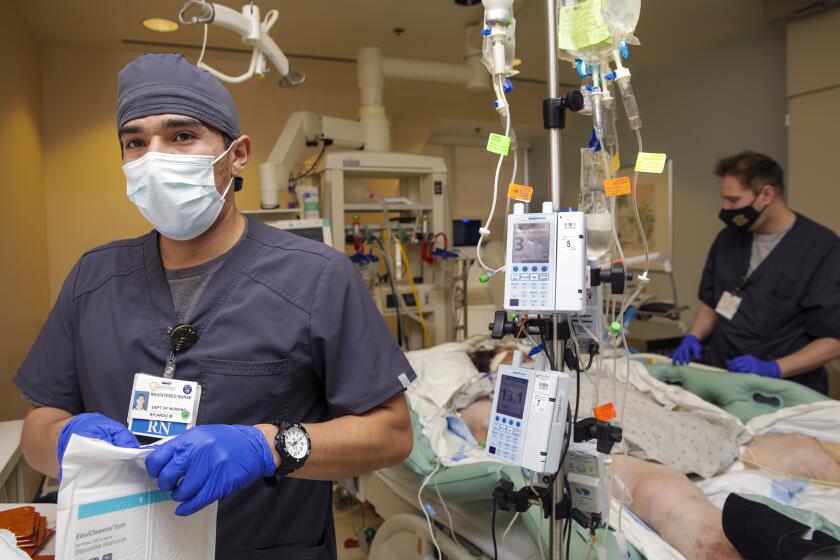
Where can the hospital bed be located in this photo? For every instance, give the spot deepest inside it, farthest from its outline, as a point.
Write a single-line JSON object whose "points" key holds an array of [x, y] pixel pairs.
{"points": [[460, 496]]}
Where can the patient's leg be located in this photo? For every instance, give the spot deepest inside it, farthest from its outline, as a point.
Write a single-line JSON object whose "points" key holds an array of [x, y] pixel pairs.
{"points": [[795, 454], [831, 449], [667, 501]]}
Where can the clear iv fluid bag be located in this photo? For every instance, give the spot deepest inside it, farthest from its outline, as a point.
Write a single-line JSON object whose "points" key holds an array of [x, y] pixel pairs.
{"points": [[593, 203], [622, 17], [589, 30]]}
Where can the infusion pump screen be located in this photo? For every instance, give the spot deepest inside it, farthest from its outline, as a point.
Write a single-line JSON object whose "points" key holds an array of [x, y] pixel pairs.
{"points": [[512, 393], [531, 243]]}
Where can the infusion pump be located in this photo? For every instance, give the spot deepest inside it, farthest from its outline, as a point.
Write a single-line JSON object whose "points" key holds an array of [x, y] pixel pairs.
{"points": [[545, 262], [528, 418]]}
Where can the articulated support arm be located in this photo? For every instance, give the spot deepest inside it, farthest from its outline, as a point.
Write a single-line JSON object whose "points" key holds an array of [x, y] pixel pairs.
{"points": [[301, 130]]}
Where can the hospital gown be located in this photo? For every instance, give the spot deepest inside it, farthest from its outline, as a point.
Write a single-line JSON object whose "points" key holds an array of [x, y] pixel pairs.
{"points": [[665, 424]]}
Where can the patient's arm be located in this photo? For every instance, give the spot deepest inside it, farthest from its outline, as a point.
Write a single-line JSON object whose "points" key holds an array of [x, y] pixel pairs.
{"points": [[667, 501], [795, 454], [476, 417]]}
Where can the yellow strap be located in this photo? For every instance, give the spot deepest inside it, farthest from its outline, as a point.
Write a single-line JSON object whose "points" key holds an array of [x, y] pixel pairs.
{"points": [[427, 339]]}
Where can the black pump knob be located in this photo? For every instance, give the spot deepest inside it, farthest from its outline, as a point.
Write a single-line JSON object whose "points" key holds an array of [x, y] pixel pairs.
{"points": [[500, 326], [574, 100]]}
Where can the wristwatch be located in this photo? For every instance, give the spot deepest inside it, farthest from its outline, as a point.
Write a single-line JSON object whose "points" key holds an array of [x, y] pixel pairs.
{"points": [[293, 444]]}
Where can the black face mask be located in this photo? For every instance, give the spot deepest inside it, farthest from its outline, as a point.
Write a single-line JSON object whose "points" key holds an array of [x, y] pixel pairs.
{"points": [[741, 219]]}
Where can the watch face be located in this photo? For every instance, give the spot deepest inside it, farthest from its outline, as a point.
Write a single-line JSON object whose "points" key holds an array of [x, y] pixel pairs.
{"points": [[297, 444]]}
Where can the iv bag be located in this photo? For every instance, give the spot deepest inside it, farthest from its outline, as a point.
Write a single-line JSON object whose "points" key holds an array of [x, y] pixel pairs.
{"points": [[589, 30], [510, 51], [593, 203], [622, 16]]}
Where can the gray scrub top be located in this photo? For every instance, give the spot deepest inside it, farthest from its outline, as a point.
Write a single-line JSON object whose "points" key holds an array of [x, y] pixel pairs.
{"points": [[287, 330]]}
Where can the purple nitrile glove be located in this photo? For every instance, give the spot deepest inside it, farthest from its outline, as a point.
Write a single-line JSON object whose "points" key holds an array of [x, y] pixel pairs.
{"points": [[688, 349], [751, 364], [207, 463], [95, 426]]}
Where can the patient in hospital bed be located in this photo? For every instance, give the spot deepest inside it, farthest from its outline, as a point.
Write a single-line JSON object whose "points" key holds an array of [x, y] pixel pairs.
{"points": [[666, 441]]}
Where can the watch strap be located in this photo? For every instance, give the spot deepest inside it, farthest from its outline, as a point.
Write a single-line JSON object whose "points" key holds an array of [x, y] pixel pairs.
{"points": [[288, 464]]}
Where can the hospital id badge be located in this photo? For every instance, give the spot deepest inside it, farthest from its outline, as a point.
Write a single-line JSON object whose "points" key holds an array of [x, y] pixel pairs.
{"points": [[728, 305], [162, 407]]}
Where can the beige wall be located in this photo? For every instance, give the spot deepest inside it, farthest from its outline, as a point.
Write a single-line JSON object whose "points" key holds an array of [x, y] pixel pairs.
{"points": [[813, 89], [710, 105], [23, 284], [86, 202]]}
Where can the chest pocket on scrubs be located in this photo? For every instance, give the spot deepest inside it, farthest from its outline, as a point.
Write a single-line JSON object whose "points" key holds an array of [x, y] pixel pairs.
{"points": [[243, 392], [780, 309]]}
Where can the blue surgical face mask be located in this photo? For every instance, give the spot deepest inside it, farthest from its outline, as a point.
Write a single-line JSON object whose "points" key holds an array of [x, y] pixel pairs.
{"points": [[176, 193]]}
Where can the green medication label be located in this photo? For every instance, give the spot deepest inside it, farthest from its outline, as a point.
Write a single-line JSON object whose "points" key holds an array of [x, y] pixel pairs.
{"points": [[498, 144], [651, 163], [581, 25]]}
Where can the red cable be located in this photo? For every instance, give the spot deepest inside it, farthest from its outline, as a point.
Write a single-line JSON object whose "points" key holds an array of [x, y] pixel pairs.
{"points": [[445, 240]]}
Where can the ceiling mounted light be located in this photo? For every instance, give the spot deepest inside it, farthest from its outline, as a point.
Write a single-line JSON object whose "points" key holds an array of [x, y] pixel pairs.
{"points": [[467, 2], [161, 25]]}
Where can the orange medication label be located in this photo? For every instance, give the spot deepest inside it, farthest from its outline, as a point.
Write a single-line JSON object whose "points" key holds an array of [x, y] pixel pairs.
{"points": [[617, 187], [605, 412], [520, 192]]}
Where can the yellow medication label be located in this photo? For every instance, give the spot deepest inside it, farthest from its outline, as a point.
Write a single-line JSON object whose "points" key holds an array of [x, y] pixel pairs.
{"points": [[498, 144], [651, 163], [581, 26], [520, 192], [617, 187]]}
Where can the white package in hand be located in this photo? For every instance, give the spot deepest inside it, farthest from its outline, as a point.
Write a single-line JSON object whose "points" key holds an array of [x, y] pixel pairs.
{"points": [[110, 508]]}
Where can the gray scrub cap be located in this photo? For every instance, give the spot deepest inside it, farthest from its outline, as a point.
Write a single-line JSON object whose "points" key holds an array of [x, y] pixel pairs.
{"points": [[158, 84]]}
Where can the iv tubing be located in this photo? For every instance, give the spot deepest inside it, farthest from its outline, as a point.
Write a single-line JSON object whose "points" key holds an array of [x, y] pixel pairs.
{"points": [[425, 511], [386, 233], [423, 323], [505, 534], [398, 300], [506, 108], [448, 514], [642, 236]]}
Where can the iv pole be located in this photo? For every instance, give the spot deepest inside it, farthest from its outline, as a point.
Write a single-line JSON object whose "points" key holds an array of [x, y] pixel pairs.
{"points": [[555, 146]]}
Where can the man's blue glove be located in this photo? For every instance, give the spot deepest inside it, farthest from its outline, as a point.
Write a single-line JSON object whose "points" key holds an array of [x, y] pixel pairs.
{"points": [[751, 364], [688, 349], [95, 426], [207, 463]]}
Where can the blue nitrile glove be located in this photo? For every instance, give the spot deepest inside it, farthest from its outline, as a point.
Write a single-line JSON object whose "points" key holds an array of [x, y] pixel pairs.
{"points": [[751, 364], [95, 426], [207, 463], [688, 349]]}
